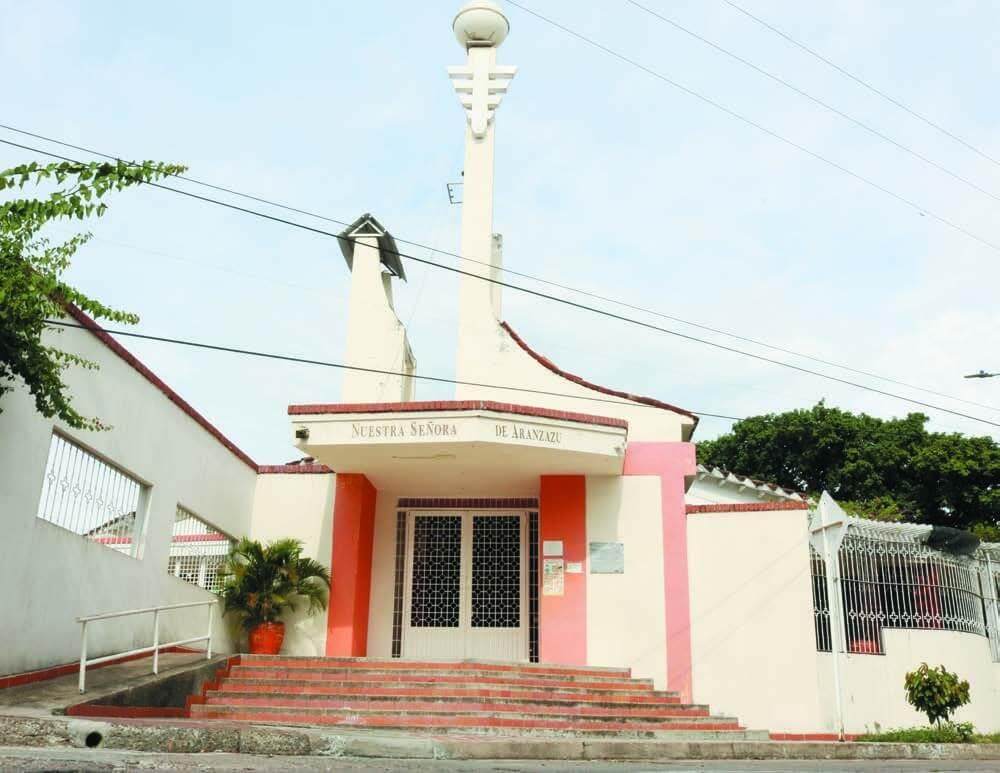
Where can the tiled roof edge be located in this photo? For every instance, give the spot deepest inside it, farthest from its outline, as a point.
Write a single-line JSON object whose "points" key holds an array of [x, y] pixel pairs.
{"points": [[580, 381]]}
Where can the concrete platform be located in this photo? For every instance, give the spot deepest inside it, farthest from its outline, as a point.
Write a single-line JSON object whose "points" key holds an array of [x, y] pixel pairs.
{"points": [[54, 696]]}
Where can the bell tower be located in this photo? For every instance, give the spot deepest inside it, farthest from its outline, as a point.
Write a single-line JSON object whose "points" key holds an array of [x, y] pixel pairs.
{"points": [[481, 83]]}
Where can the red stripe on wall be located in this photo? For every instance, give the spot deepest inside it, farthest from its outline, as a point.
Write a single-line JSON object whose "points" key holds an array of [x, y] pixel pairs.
{"points": [[562, 620], [351, 566]]}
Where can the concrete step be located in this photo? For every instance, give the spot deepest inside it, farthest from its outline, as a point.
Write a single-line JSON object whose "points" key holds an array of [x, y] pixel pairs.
{"points": [[434, 705], [535, 670], [481, 722], [410, 679], [442, 674], [548, 699]]}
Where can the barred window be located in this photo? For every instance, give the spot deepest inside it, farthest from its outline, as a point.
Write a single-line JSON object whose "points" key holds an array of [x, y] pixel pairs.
{"points": [[197, 549], [91, 497]]}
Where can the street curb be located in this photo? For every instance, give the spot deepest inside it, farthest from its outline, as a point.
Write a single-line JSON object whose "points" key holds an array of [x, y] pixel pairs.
{"points": [[192, 737]]}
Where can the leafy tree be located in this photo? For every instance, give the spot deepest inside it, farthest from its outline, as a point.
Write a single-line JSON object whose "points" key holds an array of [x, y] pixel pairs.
{"points": [[890, 469], [936, 692], [260, 582], [31, 269]]}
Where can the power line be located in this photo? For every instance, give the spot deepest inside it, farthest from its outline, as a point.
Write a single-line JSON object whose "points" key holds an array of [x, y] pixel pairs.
{"points": [[512, 272], [825, 105], [379, 371], [843, 71], [568, 302], [760, 127], [557, 299]]}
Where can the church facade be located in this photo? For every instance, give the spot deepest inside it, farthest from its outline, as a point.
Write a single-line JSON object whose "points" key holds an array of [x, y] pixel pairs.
{"points": [[535, 517]]}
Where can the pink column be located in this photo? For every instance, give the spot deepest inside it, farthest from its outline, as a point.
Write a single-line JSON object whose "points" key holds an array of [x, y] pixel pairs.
{"points": [[671, 462], [562, 620], [351, 566]]}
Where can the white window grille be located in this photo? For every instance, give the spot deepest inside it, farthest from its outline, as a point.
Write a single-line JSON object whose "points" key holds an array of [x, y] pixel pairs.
{"points": [[92, 498], [890, 579], [197, 549]]}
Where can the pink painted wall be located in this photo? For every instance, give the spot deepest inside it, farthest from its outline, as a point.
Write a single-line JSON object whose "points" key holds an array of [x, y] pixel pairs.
{"points": [[671, 462], [562, 620], [351, 566]]}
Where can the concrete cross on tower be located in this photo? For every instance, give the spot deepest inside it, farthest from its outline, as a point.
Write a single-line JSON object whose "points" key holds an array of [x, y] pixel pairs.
{"points": [[480, 28]]}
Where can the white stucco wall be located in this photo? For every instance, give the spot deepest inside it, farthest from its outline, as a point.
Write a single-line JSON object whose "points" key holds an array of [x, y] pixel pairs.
{"points": [[625, 612], [383, 576], [55, 575], [298, 505], [500, 360], [752, 639], [873, 684]]}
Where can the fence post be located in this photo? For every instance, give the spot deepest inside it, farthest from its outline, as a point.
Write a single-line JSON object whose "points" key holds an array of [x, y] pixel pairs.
{"points": [[156, 641], [83, 657], [837, 639]]}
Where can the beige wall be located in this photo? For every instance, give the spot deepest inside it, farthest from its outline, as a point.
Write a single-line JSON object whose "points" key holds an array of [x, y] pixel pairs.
{"points": [[873, 684], [298, 505], [383, 576], [500, 360], [752, 639], [57, 575], [625, 612]]}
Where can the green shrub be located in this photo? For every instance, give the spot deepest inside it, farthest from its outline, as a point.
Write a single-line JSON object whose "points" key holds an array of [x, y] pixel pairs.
{"points": [[948, 732], [936, 692]]}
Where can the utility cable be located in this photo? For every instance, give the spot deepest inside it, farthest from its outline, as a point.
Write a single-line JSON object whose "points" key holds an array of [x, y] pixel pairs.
{"points": [[361, 369], [825, 105], [567, 302], [512, 272], [848, 74], [760, 127]]}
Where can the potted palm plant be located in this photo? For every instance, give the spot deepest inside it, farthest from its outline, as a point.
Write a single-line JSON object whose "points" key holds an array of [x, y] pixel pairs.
{"points": [[262, 582]]}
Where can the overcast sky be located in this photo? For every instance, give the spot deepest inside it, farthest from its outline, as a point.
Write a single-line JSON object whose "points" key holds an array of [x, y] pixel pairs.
{"points": [[608, 180]]}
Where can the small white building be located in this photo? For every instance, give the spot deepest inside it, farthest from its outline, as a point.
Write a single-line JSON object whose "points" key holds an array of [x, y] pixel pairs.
{"points": [[522, 522]]}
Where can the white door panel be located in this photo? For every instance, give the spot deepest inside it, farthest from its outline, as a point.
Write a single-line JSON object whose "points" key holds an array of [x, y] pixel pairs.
{"points": [[465, 593]]}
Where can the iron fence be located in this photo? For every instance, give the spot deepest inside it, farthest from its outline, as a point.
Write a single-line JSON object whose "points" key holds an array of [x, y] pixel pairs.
{"points": [[888, 578]]}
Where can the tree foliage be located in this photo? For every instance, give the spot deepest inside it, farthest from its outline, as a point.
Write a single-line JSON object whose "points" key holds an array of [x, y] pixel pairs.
{"points": [[261, 582], [31, 268], [891, 469], [936, 692]]}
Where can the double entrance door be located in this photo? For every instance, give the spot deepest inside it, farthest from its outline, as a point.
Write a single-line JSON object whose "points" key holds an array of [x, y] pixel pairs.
{"points": [[465, 586]]}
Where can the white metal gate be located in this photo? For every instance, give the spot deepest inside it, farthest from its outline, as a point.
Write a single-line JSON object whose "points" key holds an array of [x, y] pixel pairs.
{"points": [[465, 586]]}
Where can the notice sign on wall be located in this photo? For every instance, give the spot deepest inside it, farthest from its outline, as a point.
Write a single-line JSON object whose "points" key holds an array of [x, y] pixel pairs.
{"points": [[607, 558], [553, 581]]}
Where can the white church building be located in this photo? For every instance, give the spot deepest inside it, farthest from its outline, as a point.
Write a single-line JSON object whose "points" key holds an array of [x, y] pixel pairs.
{"points": [[523, 524]]}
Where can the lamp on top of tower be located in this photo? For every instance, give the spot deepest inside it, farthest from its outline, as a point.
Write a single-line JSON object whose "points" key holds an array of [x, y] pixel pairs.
{"points": [[480, 23]]}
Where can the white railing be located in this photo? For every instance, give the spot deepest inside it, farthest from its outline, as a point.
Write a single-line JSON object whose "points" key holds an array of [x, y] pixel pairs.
{"points": [[157, 644]]}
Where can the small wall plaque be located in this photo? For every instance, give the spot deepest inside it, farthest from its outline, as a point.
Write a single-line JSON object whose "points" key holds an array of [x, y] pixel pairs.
{"points": [[574, 567], [552, 547], [607, 558]]}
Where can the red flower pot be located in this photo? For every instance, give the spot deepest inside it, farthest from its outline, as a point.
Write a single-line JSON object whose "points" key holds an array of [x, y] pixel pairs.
{"points": [[266, 638]]}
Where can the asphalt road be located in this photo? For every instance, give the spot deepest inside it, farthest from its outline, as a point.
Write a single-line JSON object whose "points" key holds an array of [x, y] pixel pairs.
{"points": [[65, 760]]}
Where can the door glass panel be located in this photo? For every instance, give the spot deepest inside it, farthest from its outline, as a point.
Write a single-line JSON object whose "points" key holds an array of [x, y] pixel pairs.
{"points": [[437, 571], [496, 571]]}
